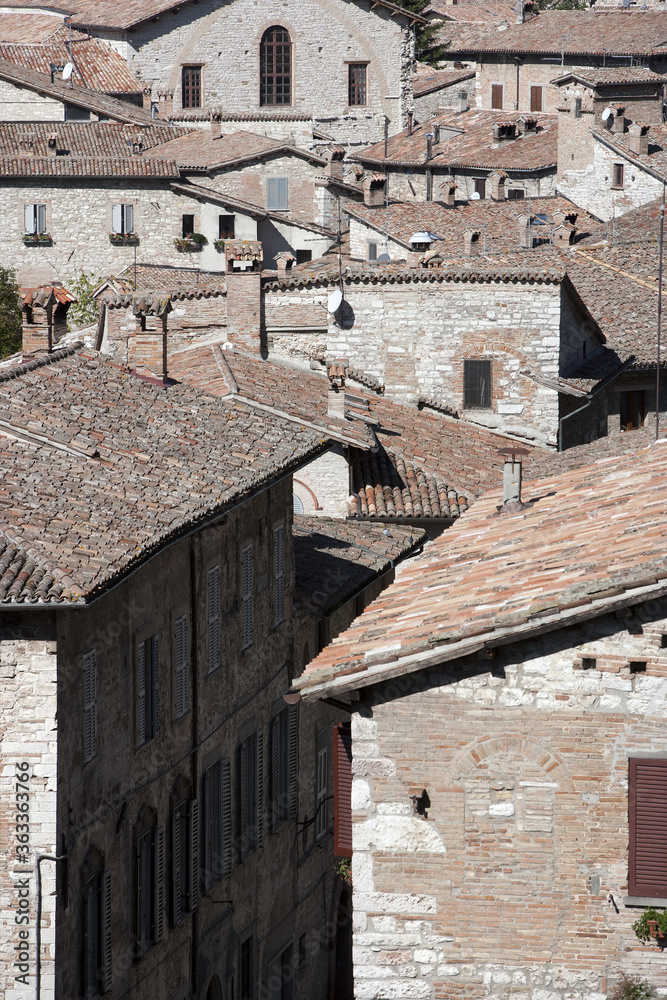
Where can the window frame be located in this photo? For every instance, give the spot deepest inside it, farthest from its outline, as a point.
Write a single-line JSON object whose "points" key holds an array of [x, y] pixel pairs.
{"points": [[192, 91], [250, 756], [184, 858], [148, 689], [322, 792], [494, 87], [284, 763], [96, 967], [246, 596], [658, 763], [276, 82], [618, 176], [466, 378], [180, 667], [277, 194], [536, 89], [278, 575], [247, 984], [357, 91], [213, 618], [122, 218], [372, 250], [217, 823], [38, 223], [149, 883]]}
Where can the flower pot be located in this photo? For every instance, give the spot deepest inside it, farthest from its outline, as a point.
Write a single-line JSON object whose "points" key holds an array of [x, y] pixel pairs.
{"points": [[188, 246], [40, 240], [119, 240]]}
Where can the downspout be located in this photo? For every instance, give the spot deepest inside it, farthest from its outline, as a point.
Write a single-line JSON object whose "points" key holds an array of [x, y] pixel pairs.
{"points": [[38, 929], [194, 660]]}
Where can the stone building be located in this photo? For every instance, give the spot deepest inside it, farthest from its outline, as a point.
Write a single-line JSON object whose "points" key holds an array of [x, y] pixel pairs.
{"points": [[507, 745]]}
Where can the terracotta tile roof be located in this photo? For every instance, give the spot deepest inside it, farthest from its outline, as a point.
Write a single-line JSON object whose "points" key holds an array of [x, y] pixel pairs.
{"points": [[199, 150], [616, 76], [23, 579], [231, 116], [481, 11], [471, 145], [96, 65], [164, 278], [29, 27], [128, 13], [101, 468], [81, 139], [496, 221], [83, 97], [656, 158], [68, 166], [335, 559], [586, 32], [384, 485], [586, 542], [427, 80]]}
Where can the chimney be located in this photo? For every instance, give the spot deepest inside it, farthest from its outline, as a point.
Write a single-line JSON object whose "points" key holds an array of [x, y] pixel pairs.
{"points": [[137, 144], [216, 125], [524, 234], [284, 261], [512, 477], [448, 188], [165, 103], [411, 116], [461, 101], [27, 143], [148, 346], [337, 374], [618, 124], [436, 135], [243, 261], [470, 242], [497, 180], [334, 167], [375, 186], [52, 144], [526, 126], [147, 98], [503, 132], [563, 234], [638, 138], [37, 320], [520, 12]]}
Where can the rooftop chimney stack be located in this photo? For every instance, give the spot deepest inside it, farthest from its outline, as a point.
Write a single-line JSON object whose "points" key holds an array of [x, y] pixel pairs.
{"points": [[436, 135], [618, 124], [243, 259], [44, 317], [216, 125], [165, 103], [147, 99], [334, 167], [497, 180], [375, 186], [638, 138], [411, 117], [337, 374], [461, 101], [520, 12], [448, 188], [512, 477], [285, 260], [524, 234], [471, 242], [52, 144], [148, 346]]}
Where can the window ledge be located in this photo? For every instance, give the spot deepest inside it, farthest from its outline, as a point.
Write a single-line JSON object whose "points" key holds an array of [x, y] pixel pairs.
{"points": [[644, 901]]}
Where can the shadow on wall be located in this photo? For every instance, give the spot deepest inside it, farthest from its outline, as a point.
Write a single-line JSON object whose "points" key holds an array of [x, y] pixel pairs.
{"points": [[272, 241]]}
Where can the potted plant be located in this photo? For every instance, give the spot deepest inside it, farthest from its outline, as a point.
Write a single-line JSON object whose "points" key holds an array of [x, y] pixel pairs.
{"points": [[191, 243], [124, 239], [651, 924], [37, 239]]}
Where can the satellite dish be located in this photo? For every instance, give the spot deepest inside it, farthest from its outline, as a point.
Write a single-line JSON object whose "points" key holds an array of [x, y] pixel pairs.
{"points": [[335, 300], [608, 117], [475, 196], [384, 258], [67, 72]]}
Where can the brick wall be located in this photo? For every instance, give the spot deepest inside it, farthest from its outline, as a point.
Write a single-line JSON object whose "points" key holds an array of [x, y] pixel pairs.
{"points": [[507, 881], [323, 485]]}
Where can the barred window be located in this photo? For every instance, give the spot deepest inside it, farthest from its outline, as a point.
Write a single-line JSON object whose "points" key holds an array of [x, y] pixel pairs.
{"points": [[356, 84], [275, 67], [476, 385], [191, 87]]}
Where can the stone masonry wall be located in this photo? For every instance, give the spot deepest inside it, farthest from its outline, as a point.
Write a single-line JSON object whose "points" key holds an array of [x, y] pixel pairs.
{"points": [[20, 104], [514, 881], [29, 753], [325, 37]]}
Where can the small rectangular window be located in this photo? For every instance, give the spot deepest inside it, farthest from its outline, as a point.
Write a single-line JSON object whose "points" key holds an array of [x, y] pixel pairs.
{"points": [[122, 219], [184, 851], [226, 227], [251, 788], [515, 194], [637, 666], [372, 251], [148, 694], [75, 113], [480, 187], [89, 706], [577, 107], [191, 86], [276, 194], [633, 409], [180, 667], [96, 952], [35, 218], [278, 575], [535, 98], [284, 765], [356, 84], [188, 226], [303, 256], [618, 175], [213, 619], [476, 385], [497, 96], [246, 597], [588, 663]]}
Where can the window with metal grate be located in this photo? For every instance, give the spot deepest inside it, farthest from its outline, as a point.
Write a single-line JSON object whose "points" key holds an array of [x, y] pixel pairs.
{"points": [[275, 67], [476, 384]]}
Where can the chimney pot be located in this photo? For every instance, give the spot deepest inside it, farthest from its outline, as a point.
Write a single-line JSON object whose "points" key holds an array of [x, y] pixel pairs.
{"points": [[52, 144], [461, 101], [147, 98], [216, 126], [638, 138], [411, 116], [512, 477], [374, 186], [337, 374], [470, 242]]}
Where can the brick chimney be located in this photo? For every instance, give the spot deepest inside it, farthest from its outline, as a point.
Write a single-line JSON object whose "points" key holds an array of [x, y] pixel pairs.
{"points": [[216, 125], [375, 186], [52, 144], [618, 121], [563, 234], [471, 242], [334, 156], [337, 374], [147, 98], [638, 138], [148, 345], [243, 259], [165, 103], [503, 132], [524, 233], [44, 317], [448, 188], [497, 180], [526, 126], [284, 261], [411, 118], [461, 101]]}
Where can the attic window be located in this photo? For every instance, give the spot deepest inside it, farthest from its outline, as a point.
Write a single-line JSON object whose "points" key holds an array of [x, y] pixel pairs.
{"points": [[618, 172], [577, 107], [73, 113]]}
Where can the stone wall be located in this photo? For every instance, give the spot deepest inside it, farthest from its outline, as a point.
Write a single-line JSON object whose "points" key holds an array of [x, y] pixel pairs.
{"points": [[29, 752], [20, 104], [323, 486], [409, 184], [325, 38], [191, 321], [514, 881]]}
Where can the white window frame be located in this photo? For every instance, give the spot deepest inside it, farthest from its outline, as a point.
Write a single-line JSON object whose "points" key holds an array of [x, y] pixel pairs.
{"points": [[122, 219], [277, 194], [34, 216]]}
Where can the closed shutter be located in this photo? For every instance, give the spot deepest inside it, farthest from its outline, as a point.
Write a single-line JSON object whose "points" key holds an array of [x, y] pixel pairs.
{"points": [[193, 859], [30, 218], [343, 791], [89, 698], [176, 867], [142, 892], [117, 218], [213, 613], [208, 831], [497, 96], [226, 819], [271, 193], [159, 884], [282, 194], [90, 937], [41, 218], [128, 222], [106, 971], [321, 824], [259, 788], [275, 772], [155, 686], [141, 693], [648, 827], [246, 596], [279, 575], [180, 667], [535, 98], [293, 760]]}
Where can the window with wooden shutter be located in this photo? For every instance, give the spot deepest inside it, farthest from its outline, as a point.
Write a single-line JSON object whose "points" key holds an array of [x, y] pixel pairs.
{"points": [[280, 767], [497, 95], [213, 825], [213, 619], [343, 791], [141, 693], [180, 667], [535, 98], [96, 950], [89, 706], [246, 597], [247, 968], [158, 858], [251, 792], [278, 575], [122, 219], [322, 794], [148, 694], [293, 752], [192, 886], [275, 66], [106, 970], [178, 844], [647, 807], [35, 218]]}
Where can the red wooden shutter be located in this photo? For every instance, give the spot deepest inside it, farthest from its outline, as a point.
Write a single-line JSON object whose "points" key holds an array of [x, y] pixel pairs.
{"points": [[648, 827], [343, 791]]}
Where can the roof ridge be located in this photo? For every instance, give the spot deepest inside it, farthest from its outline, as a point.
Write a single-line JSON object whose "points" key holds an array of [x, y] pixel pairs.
{"points": [[41, 362]]}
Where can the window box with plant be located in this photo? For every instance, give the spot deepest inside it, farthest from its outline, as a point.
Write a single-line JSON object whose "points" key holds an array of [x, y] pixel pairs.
{"points": [[38, 239], [191, 243], [651, 924], [124, 239]]}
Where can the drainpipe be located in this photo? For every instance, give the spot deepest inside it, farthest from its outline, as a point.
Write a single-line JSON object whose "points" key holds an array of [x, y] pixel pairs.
{"points": [[38, 929], [429, 173], [518, 67]]}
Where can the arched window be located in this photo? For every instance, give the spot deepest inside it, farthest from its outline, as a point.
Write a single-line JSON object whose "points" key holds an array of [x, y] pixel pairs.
{"points": [[275, 66]]}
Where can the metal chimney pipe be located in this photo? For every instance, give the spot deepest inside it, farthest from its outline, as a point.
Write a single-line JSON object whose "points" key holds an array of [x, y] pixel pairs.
{"points": [[411, 116]]}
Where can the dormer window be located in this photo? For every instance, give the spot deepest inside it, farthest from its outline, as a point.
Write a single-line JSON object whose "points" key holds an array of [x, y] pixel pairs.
{"points": [[275, 67]]}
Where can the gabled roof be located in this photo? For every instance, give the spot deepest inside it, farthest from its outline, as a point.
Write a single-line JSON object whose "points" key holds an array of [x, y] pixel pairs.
{"points": [[427, 80], [196, 149], [388, 486], [614, 77], [101, 469], [585, 543]]}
